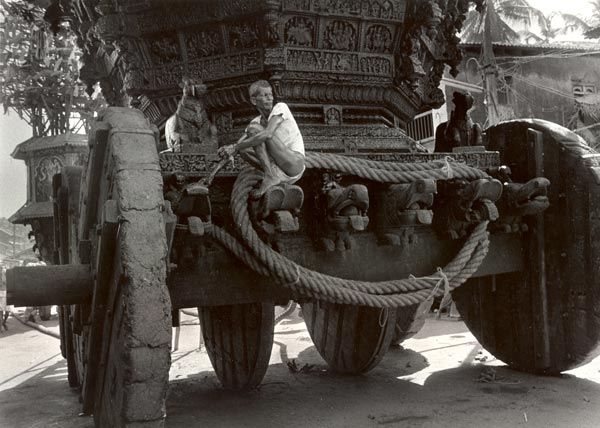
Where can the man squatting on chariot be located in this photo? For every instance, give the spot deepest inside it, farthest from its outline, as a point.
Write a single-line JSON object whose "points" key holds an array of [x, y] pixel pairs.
{"points": [[272, 142]]}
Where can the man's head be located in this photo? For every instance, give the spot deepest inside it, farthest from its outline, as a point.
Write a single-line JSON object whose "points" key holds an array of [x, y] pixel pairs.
{"points": [[261, 96]]}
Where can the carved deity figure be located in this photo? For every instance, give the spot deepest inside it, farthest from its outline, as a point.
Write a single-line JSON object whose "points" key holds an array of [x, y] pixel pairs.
{"points": [[190, 124], [460, 130]]}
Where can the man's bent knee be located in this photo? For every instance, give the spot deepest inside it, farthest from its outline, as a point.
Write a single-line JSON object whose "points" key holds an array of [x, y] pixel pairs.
{"points": [[294, 164]]}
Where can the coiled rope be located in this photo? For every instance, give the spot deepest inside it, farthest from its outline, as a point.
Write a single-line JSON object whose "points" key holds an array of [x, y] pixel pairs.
{"points": [[384, 294]]}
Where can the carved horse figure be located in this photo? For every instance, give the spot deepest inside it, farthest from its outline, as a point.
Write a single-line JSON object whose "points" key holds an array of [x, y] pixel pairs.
{"points": [[460, 130], [190, 124]]}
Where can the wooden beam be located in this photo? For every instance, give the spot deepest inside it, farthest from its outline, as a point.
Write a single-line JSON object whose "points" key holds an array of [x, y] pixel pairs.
{"points": [[49, 285], [217, 278]]}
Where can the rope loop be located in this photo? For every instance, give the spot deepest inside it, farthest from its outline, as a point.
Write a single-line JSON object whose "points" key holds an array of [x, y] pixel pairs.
{"points": [[447, 168], [260, 257]]}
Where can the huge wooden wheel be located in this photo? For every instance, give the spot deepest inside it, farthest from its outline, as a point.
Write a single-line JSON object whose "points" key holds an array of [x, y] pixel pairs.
{"points": [[121, 339], [351, 339], [239, 339], [545, 319]]}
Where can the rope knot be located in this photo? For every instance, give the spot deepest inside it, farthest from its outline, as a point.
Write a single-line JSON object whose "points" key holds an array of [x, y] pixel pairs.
{"points": [[447, 168]]}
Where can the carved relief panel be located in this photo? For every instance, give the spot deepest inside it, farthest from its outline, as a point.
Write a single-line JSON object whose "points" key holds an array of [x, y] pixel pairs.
{"points": [[300, 31], [164, 49], [44, 170], [243, 35], [349, 37], [332, 115], [378, 38], [200, 44], [340, 35]]}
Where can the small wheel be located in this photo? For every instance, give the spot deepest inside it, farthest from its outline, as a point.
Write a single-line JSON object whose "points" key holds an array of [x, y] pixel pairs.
{"points": [[239, 340], [410, 319], [351, 339], [545, 319]]}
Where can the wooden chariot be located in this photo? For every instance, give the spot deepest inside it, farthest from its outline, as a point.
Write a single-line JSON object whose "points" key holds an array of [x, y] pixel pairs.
{"points": [[372, 233]]}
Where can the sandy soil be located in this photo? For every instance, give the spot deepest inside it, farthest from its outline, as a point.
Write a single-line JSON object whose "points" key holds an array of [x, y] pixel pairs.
{"points": [[440, 378]]}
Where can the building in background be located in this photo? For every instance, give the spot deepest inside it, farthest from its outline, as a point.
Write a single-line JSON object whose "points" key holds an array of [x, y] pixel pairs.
{"points": [[44, 157], [555, 82]]}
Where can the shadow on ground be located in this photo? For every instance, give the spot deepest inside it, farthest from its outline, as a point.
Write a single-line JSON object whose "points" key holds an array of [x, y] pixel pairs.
{"points": [[472, 395], [42, 401]]}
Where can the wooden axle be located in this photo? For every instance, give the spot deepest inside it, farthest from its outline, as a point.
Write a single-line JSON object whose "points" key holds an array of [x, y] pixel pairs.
{"points": [[217, 278], [49, 285]]}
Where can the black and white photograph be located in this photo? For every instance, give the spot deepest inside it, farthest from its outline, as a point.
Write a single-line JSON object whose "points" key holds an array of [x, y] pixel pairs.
{"points": [[300, 213]]}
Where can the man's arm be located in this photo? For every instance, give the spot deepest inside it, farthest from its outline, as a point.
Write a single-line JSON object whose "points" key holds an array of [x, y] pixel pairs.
{"points": [[261, 136]]}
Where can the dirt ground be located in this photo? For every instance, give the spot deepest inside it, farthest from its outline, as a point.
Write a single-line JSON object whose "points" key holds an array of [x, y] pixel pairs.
{"points": [[440, 378]]}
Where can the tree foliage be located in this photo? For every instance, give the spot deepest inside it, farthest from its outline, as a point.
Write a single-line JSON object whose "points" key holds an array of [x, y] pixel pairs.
{"points": [[505, 17], [39, 70], [501, 15]]}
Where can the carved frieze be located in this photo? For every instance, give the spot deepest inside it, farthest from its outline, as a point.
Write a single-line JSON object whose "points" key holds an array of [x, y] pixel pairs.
{"points": [[207, 69], [167, 76], [227, 65], [191, 164], [379, 9], [180, 15], [300, 5], [338, 62], [186, 164]]}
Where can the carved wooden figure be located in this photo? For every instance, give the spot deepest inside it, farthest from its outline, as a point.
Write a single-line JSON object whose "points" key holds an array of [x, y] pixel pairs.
{"points": [[460, 130], [189, 129]]}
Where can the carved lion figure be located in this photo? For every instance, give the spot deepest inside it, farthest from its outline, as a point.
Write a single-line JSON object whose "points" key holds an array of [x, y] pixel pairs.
{"points": [[190, 124]]}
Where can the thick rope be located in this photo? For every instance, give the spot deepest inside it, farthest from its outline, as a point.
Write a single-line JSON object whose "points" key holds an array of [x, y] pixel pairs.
{"points": [[398, 173], [394, 293]]}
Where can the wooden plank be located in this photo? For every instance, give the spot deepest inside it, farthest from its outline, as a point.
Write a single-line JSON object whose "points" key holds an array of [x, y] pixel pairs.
{"points": [[95, 175], [535, 147], [104, 265], [62, 222]]}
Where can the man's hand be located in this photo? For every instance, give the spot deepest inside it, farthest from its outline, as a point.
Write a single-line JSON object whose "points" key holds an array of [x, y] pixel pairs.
{"points": [[226, 151]]}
